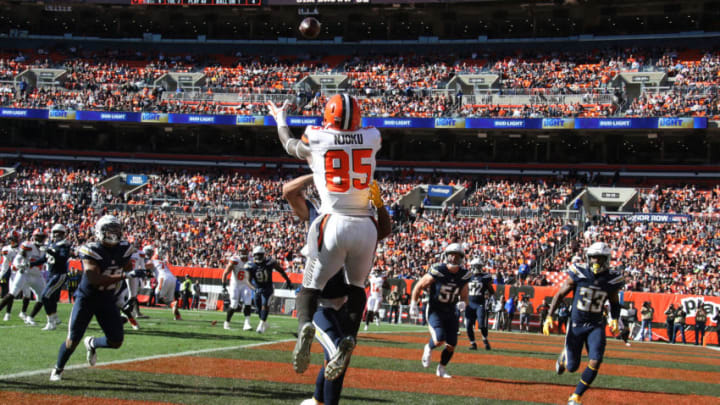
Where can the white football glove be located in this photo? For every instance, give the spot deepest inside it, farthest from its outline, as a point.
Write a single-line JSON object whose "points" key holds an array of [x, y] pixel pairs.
{"points": [[461, 306], [414, 312], [279, 113]]}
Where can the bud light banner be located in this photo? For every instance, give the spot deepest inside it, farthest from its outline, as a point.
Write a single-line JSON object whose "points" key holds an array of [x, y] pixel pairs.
{"points": [[157, 118], [399, 122], [108, 116], [503, 123], [136, 179], [23, 113], [440, 191], [558, 123], [251, 120]]}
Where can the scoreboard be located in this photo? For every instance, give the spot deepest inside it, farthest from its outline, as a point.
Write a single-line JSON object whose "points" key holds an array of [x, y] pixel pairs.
{"points": [[234, 3]]}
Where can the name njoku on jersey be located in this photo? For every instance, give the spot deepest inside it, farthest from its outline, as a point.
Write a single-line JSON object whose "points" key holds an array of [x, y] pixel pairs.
{"points": [[348, 139]]}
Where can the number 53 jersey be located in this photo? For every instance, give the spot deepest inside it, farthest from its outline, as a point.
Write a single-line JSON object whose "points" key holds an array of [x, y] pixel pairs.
{"points": [[591, 291], [343, 165]]}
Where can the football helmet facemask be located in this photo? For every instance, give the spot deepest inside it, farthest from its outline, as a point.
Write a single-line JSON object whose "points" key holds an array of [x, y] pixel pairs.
{"points": [[58, 232], [598, 257], [108, 230], [476, 265], [258, 254], [39, 236], [453, 256]]}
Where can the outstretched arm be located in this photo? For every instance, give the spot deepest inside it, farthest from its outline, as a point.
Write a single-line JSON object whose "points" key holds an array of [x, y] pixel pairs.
{"points": [[294, 147]]}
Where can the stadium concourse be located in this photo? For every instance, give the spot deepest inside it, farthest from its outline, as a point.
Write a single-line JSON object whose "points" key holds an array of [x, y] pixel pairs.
{"points": [[387, 86], [198, 217]]}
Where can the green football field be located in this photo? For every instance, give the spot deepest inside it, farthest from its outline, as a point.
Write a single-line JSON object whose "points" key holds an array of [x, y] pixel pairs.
{"points": [[193, 361]]}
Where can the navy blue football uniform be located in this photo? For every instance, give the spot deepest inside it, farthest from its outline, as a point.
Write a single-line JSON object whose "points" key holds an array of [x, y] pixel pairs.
{"points": [[261, 278], [100, 301], [587, 324], [441, 313], [57, 256], [476, 311]]}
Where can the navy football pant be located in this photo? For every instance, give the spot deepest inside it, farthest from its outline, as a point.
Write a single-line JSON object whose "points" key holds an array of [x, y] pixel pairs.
{"points": [[579, 336], [331, 326], [443, 326]]}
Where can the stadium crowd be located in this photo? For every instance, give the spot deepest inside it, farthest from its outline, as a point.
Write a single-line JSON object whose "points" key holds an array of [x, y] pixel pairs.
{"points": [[409, 86], [681, 258]]}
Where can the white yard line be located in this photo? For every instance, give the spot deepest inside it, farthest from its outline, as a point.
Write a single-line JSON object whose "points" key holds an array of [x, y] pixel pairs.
{"points": [[155, 357]]}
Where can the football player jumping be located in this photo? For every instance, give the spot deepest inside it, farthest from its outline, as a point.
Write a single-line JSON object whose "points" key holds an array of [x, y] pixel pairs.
{"points": [[343, 237], [104, 262], [447, 281], [331, 320], [591, 286]]}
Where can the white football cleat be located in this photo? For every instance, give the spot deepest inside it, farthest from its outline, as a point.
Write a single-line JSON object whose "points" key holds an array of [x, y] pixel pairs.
{"points": [[22, 316], [247, 325], [309, 401], [56, 375], [226, 325], [6, 317], [427, 354], [30, 321], [50, 326], [91, 354], [365, 327], [441, 372], [301, 352]]}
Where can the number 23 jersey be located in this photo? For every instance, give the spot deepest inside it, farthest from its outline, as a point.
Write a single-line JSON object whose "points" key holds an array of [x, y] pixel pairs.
{"points": [[343, 165], [591, 292], [446, 288]]}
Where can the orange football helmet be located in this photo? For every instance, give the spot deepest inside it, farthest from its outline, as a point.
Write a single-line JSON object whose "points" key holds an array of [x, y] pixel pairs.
{"points": [[342, 112]]}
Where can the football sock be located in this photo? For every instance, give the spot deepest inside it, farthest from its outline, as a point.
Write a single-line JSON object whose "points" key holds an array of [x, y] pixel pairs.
{"points": [[356, 306], [26, 304], [470, 333], [332, 391], [431, 344], [99, 342], [38, 306], [484, 332], [368, 317], [307, 302], [229, 315], [63, 356], [247, 311], [264, 314], [50, 305], [586, 379], [445, 356], [7, 300], [319, 394]]}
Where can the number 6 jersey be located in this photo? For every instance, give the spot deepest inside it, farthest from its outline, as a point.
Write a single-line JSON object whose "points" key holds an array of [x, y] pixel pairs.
{"points": [[343, 165], [591, 291]]}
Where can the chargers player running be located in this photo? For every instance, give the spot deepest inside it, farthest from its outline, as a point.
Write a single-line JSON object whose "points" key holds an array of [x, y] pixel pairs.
{"points": [[591, 286], [104, 262], [341, 155], [57, 255], [260, 270], [240, 288], [446, 281], [480, 283]]}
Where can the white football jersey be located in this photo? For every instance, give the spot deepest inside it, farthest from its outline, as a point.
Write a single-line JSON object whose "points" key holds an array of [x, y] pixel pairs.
{"points": [[8, 254], [376, 284], [343, 165], [138, 260], [162, 270], [37, 253], [239, 274]]}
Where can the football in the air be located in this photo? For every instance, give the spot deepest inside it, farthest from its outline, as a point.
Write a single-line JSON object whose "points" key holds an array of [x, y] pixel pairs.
{"points": [[310, 27]]}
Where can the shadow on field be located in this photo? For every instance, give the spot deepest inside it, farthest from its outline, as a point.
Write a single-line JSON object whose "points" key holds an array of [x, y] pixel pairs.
{"points": [[185, 334], [154, 390]]}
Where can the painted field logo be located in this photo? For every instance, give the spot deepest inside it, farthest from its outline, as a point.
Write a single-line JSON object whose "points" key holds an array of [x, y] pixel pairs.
{"points": [[249, 120], [690, 305], [558, 123], [675, 123], [61, 115], [154, 117], [449, 122]]}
